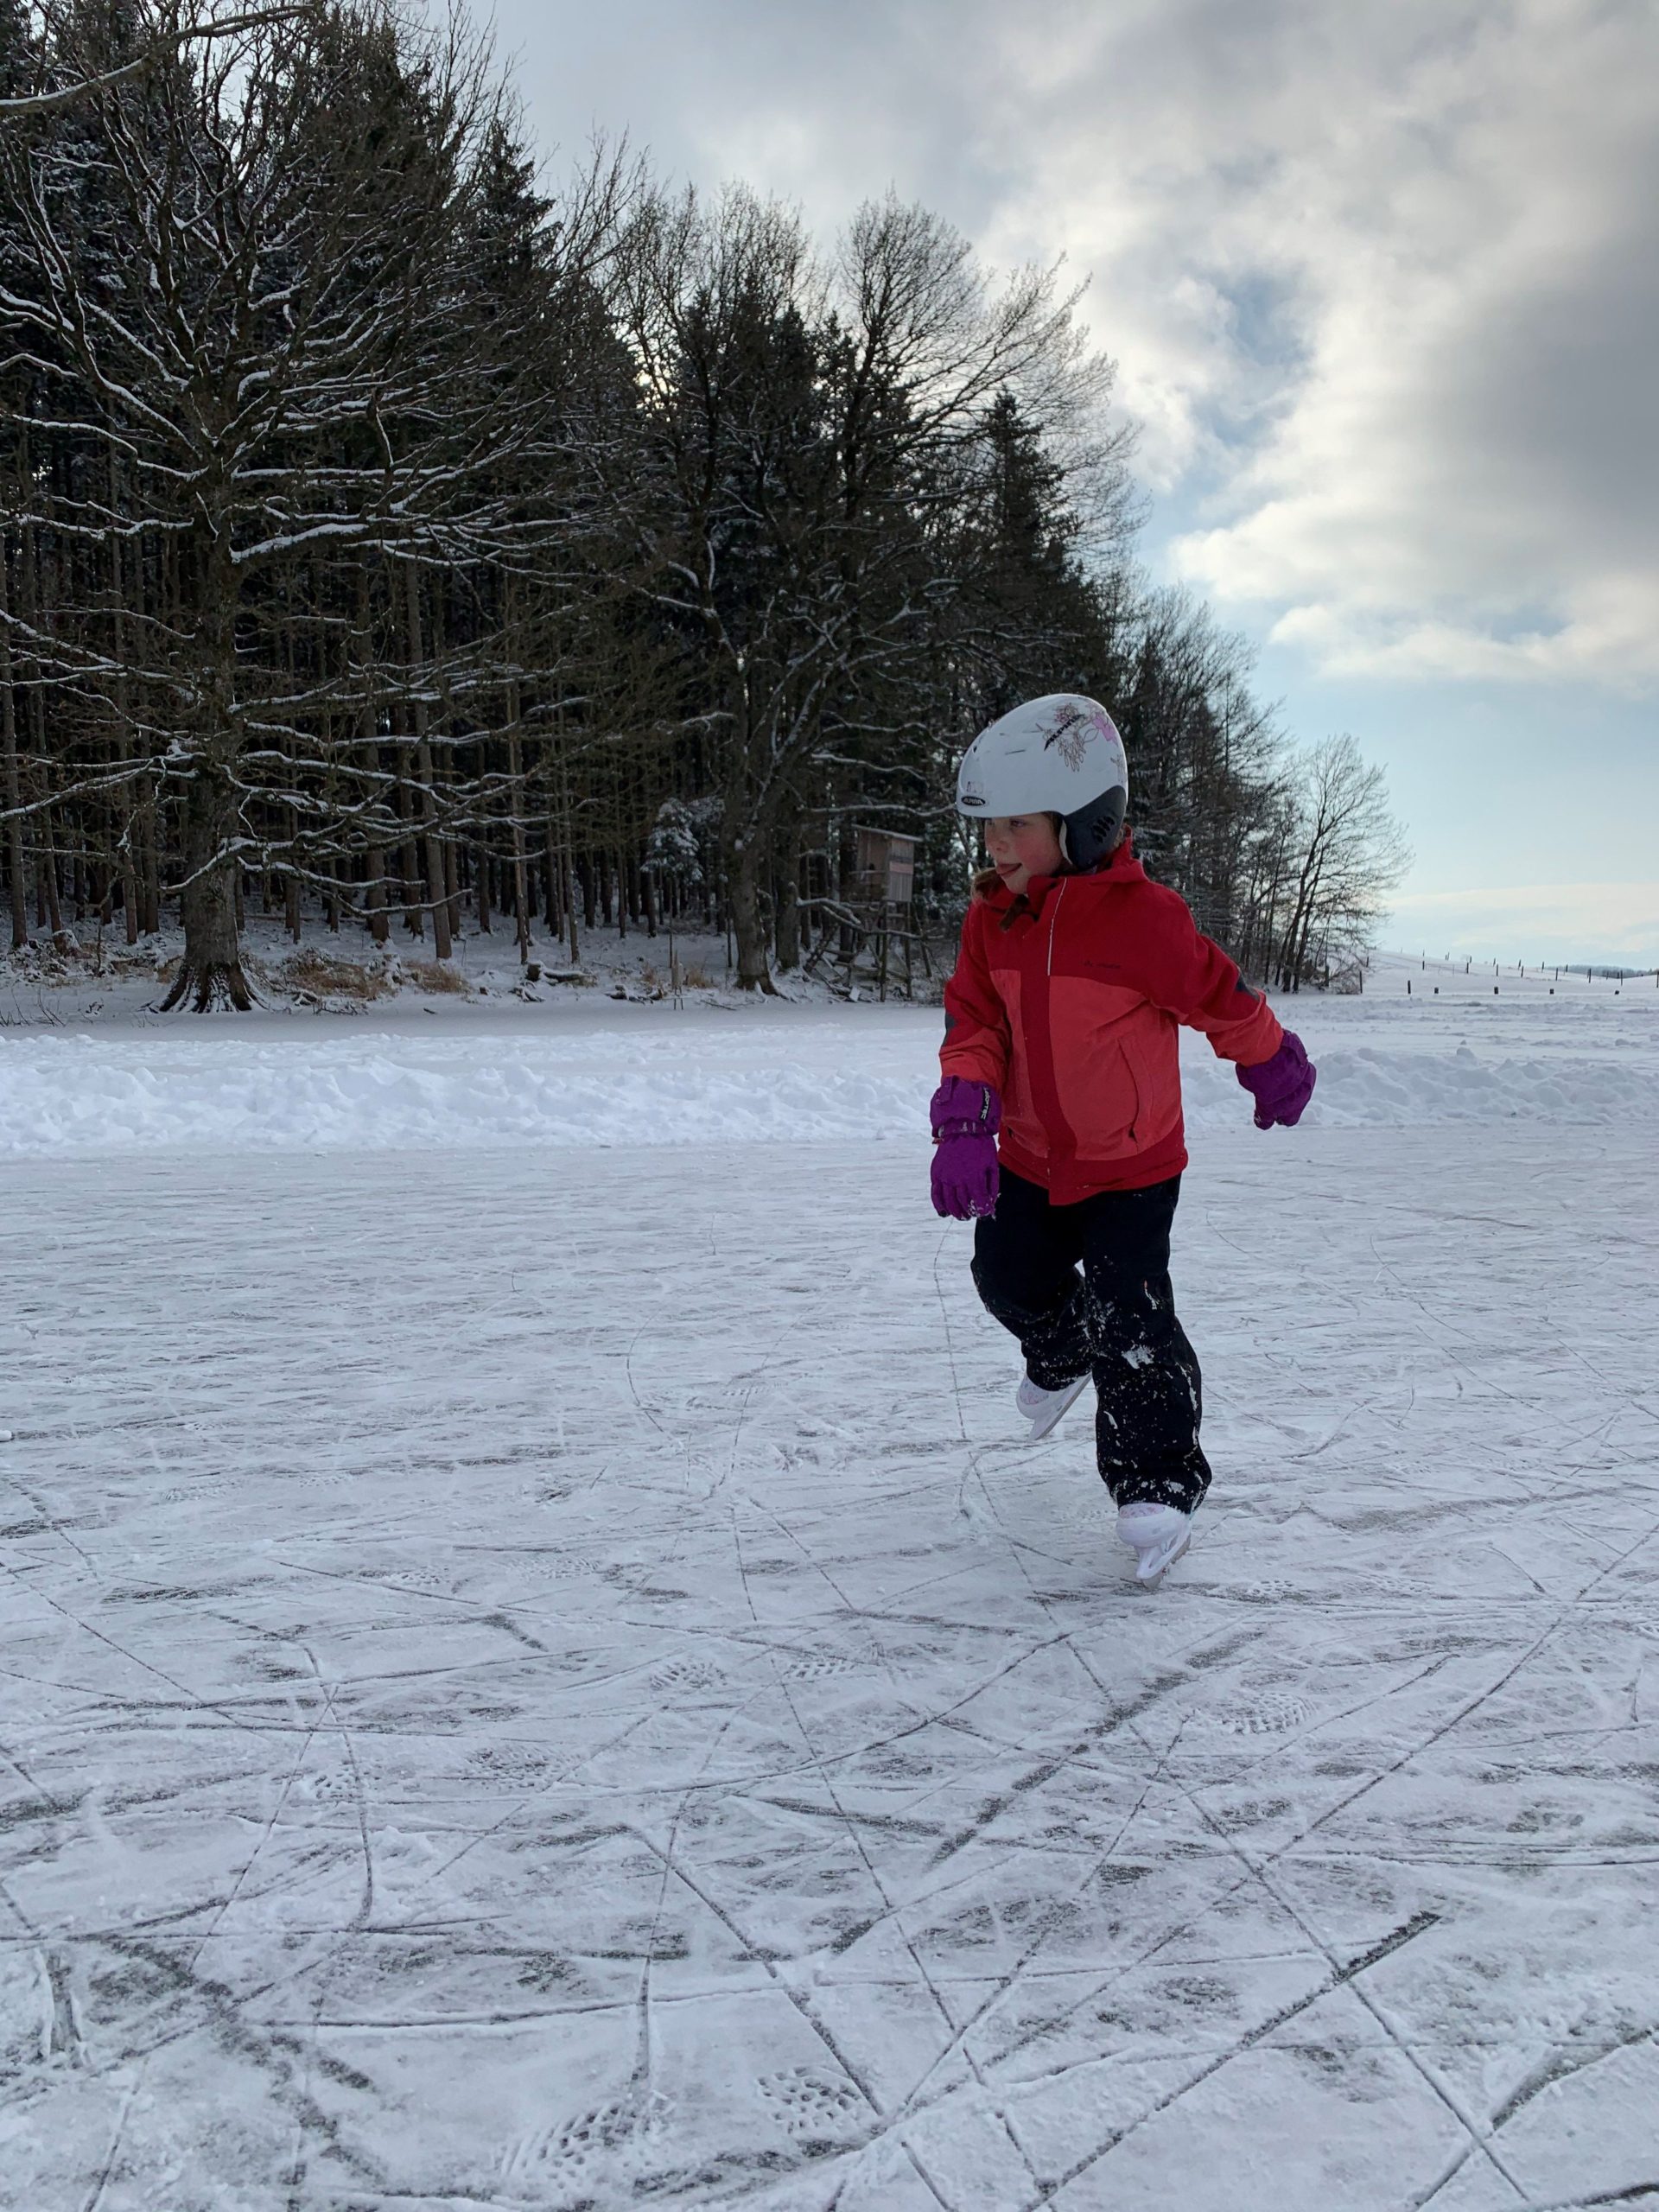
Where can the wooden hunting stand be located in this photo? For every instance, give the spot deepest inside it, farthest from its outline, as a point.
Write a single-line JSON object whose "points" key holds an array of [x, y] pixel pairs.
{"points": [[878, 917]]}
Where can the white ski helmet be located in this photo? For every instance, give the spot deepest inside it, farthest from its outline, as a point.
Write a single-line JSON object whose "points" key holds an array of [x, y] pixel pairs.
{"points": [[1061, 755]]}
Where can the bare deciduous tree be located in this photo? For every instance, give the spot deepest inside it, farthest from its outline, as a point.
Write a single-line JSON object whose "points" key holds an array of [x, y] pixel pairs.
{"points": [[804, 425], [174, 29], [1349, 851]]}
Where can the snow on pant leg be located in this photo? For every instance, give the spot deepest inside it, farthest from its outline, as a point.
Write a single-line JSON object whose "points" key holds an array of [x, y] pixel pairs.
{"points": [[1150, 1393], [1026, 1258]]}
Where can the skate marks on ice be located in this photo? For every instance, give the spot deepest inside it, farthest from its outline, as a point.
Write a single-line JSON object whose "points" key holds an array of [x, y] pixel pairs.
{"points": [[584, 1710]]}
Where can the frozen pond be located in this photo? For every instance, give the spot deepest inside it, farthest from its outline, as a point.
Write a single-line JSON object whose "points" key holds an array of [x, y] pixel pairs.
{"points": [[539, 1675]]}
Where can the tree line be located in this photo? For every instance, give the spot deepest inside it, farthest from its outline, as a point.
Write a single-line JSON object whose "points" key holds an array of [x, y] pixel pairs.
{"points": [[387, 537]]}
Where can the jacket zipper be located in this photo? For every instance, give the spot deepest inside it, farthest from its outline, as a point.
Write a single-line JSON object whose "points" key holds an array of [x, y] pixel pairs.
{"points": [[1062, 1140], [1053, 918]]}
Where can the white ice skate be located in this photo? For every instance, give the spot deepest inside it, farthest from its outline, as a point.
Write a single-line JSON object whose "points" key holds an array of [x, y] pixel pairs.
{"points": [[1043, 1409], [1157, 1534]]}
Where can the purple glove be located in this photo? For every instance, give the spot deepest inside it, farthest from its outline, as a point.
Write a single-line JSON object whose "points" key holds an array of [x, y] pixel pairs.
{"points": [[966, 1118], [1282, 1086]]}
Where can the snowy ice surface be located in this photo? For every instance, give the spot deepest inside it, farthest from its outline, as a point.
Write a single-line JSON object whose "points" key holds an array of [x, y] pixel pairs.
{"points": [[538, 1675]]}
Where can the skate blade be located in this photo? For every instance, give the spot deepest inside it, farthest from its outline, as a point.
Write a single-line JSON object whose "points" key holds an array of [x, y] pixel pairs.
{"points": [[1151, 1566], [1051, 1416]]}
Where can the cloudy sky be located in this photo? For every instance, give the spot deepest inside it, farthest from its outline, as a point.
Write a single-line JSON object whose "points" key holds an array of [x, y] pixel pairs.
{"points": [[1382, 280]]}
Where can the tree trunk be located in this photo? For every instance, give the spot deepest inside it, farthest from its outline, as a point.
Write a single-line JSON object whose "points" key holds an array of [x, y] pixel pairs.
{"points": [[210, 897], [743, 881], [149, 863], [553, 881], [49, 865], [291, 913], [129, 873], [46, 867], [452, 882], [438, 886], [414, 921], [436, 879], [374, 897], [126, 584], [211, 975], [520, 857], [789, 894], [12, 787]]}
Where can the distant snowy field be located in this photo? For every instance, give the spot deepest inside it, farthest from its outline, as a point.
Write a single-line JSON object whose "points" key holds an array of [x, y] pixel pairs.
{"points": [[538, 1673]]}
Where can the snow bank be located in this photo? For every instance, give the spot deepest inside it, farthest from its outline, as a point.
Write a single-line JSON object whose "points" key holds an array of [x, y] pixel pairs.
{"points": [[385, 1093], [1385, 1087], [1370, 1084], [848, 1079]]}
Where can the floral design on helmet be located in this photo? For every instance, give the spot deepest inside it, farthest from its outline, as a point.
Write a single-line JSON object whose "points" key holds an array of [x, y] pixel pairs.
{"points": [[1070, 734]]}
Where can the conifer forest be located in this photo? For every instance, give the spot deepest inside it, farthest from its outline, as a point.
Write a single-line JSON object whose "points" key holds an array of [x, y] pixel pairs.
{"points": [[392, 536]]}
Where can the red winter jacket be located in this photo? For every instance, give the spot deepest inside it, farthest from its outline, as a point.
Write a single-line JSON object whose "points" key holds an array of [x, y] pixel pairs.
{"points": [[1067, 1002]]}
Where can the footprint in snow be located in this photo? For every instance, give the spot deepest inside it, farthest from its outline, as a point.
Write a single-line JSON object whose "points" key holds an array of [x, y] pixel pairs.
{"points": [[511, 1763], [811, 2101], [330, 1788], [569, 2155], [688, 1675], [812, 1666], [1272, 1716], [562, 1566]]}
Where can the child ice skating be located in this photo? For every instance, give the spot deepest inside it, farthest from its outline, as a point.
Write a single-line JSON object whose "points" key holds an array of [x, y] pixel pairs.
{"points": [[1058, 1125]]}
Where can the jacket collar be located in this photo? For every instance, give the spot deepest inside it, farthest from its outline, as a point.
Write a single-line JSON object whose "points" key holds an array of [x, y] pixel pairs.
{"points": [[1122, 868]]}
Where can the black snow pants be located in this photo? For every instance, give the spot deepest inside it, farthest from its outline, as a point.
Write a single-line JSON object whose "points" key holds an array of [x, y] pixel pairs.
{"points": [[1086, 1290]]}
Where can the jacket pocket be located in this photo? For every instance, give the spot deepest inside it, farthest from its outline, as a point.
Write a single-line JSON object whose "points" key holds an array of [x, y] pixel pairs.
{"points": [[1116, 1073], [1136, 1085], [1154, 1069]]}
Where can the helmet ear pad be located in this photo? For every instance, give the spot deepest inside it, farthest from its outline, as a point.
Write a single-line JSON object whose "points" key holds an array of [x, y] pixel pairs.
{"points": [[1091, 835]]}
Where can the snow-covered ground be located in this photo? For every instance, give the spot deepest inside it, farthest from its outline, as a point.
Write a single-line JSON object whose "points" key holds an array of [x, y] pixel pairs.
{"points": [[538, 1674]]}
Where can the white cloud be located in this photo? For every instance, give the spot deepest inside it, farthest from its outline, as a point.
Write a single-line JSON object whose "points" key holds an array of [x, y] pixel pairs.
{"points": [[1606, 631], [1382, 279], [1464, 478]]}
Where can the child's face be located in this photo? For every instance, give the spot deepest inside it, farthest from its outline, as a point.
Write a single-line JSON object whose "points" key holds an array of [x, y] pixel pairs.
{"points": [[1020, 846]]}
